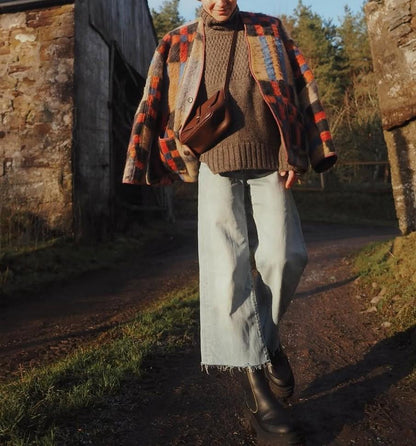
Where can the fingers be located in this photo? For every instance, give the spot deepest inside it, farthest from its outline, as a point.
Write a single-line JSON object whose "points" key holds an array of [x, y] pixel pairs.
{"points": [[291, 178]]}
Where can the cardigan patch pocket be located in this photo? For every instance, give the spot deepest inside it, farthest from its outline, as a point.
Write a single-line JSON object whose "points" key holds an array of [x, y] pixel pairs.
{"points": [[170, 156]]}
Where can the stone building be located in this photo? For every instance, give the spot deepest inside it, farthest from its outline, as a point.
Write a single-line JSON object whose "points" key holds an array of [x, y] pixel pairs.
{"points": [[392, 32], [71, 75]]}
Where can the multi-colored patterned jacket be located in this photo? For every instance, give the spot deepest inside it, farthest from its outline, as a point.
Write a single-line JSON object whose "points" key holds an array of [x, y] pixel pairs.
{"points": [[285, 81]]}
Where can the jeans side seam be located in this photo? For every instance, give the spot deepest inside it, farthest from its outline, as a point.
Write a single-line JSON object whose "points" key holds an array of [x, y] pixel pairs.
{"points": [[253, 298]]}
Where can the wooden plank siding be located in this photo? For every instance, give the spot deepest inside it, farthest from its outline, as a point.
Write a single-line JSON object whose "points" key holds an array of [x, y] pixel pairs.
{"points": [[128, 23], [114, 44]]}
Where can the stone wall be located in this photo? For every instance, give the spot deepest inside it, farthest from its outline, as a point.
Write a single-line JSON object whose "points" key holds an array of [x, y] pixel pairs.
{"points": [[36, 115], [392, 32]]}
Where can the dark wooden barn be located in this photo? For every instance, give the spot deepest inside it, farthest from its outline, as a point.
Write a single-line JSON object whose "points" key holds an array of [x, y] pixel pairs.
{"points": [[72, 75]]}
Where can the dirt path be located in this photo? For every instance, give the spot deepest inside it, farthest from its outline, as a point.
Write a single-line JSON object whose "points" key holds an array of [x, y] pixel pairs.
{"points": [[350, 375], [42, 327]]}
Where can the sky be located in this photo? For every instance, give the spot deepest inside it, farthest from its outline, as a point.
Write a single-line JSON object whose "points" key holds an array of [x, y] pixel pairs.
{"points": [[328, 9]]}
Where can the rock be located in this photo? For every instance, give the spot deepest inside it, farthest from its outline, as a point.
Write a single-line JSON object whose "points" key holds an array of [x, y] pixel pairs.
{"points": [[382, 291], [392, 35], [371, 309], [376, 300]]}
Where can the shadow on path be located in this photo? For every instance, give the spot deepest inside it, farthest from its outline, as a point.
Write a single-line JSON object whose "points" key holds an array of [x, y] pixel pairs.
{"points": [[345, 396], [322, 289]]}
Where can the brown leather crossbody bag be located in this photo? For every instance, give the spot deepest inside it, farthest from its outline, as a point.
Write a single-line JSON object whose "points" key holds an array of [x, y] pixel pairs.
{"points": [[209, 121]]}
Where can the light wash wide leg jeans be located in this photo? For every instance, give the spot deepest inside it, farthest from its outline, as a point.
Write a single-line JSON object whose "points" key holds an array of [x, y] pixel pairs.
{"points": [[240, 307]]}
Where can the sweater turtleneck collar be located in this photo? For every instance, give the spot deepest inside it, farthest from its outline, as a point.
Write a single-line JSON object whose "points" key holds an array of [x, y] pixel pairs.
{"points": [[231, 23]]}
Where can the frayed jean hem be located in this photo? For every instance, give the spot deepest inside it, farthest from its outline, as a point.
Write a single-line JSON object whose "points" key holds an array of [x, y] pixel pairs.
{"points": [[231, 368]]}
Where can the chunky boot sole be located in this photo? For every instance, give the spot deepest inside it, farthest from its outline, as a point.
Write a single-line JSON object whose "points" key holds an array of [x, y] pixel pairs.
{"points": [[266, 438]]}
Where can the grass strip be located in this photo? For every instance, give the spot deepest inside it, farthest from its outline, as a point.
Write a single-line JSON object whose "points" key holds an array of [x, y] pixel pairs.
{"points": [[346, 207], [28, 268], [387, 272], [33, 407], [25, 269]]}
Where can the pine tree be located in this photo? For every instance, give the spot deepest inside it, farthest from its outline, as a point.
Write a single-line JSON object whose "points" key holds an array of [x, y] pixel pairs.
{"points": [[317, 39], [167, 18], [354, 41], [361, 124], [340, 58]]}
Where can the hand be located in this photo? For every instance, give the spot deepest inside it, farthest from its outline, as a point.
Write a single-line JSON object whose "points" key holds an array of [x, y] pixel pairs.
{"points": [[291, 177]]}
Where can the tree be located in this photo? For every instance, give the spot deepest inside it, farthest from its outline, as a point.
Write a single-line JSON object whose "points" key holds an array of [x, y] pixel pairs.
{"points": [[198, 11], [167, 18], [318, 40], [361, 124], [341, 60], [354, 42]]}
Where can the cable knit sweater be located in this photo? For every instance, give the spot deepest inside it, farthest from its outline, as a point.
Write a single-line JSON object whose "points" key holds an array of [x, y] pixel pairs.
{"points": [[253, 140]]}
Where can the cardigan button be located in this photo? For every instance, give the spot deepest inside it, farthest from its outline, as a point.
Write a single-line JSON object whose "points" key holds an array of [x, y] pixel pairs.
{"points": [[190, 100]]}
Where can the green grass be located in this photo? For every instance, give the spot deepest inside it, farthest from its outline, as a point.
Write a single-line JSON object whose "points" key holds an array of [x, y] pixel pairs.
{"points": [[388, 269], [34, 409], [346, 207], [27, 268], [349, 206]]}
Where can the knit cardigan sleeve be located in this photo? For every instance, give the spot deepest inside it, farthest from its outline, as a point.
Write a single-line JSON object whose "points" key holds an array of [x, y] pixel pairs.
{"points": [[142, 166], [320, 145]]}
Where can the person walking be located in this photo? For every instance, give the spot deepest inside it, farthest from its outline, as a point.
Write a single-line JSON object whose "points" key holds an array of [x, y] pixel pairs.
{"points": [[250, 242]]}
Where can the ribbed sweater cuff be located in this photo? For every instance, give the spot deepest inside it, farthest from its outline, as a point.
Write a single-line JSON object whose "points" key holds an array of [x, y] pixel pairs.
{"points": [[246, 155]]}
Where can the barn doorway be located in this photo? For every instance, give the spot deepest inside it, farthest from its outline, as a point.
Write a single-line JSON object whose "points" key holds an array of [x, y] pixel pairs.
{"points": [[126, 91]]}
